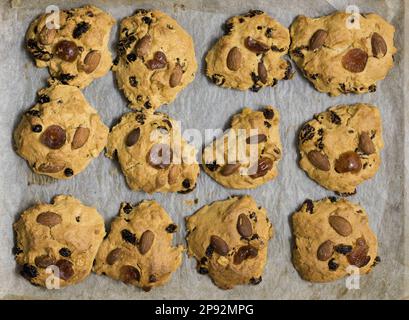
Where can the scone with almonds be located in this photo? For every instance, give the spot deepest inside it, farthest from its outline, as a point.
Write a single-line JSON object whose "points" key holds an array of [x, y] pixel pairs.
{"points": [[73, 45], [250, 54], [229, 241], [138, 249], [247, 155], [156, 59], [152, 153], [342, 52], [57, 242], [332, 238], [61, 134], [340, 148]]}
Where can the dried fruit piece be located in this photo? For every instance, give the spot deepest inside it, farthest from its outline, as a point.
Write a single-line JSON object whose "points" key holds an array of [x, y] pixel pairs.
{"points": [[262, 72], [146, 241], [65, 252], [268, 113], [53, 137], [245, 252], [256, 139], [366, 144], [29, 271], [66, 269], [51, 167], [234, 59], [128, 274], [317, 40], [159, 61], [44, 261], [160, 156], [47, 35], [355, 60], [229, 169], [128, 236], [81, 136], [379, 47], [219, 245], [343, 248], [49, 219], [176, 76], [91, 61], [263, 166], [340, 225], [66, 50], [318, 160], [256, 46], [325, 250], [332, 265], [359, 255], [143, 46], [348, 162], [244, 226], [132, 137], [80, 28], [171, 228]]}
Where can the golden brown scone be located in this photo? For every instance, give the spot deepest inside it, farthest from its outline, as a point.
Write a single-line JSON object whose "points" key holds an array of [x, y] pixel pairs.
{"points": [[61, 134], [77, 52], [331, 235], [156, 59], [229, 240], [152, 153], [63, 236], [339, 56], [138, 249], [256, 132], [340, 148], [249, 55]]}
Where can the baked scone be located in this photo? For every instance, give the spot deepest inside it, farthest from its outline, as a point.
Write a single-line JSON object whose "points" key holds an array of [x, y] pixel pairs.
{"points": [[138, 249], [247, 155], [77, 52], [61, 134], [249, 55], [229, 240], [342, 53], [152, 153], [156, 59], [57, 242], [340, 148], [330, 236]]}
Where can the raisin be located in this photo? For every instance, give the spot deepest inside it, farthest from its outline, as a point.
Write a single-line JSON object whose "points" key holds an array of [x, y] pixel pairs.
{"points": [[29, 271], [309, 206], [131, 57], [140, 118], [33, 113], [68, 172], [133, 82], [78, 219], [65, 77], [209, 251], [332, 265], [297, 52], [253, 13], [115, 61], [218, 79], [372, 88], [171, 228], [267, 124], [307, 132], [376, 261], [227, 27], [43, 99], [31, 43], [128, 236], [288, 71], [269, 32], [203, 260], [203, 270], [256, 281], [152, 278], [277, 49], [332, 199], [65, 252], [212, 166], [241, 20], [141, 11], [147, 20], [127, 208], [268, 113], [147, 105], [17, 250], [186, 183], [254, 237], [37, 128], [335, 118], [343, 248], [81, 28]]}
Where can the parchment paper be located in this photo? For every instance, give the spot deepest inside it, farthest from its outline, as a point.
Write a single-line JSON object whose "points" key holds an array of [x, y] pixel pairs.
{"points": [[203, 105]]}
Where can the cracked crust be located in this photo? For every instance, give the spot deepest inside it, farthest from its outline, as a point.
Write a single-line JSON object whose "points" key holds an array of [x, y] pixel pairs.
{"points": [[322, 63], [74, 235], [312, 227]]}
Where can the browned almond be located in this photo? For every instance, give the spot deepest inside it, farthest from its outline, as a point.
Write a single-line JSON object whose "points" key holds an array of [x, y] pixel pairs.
{"points": [[53, 137], [146, 241], [379, 47], [256, 139], [47, 36], [132, 137], [44, 261], [348, 162], [159, 61], [355, 60], [219, 245], [264, 165], [49, 219], [340, 225], [160, 156], [66, 50], [129, 274], [319, 160], [176, 76], [359, 255], [114, 256], [66, 270], [229, 169], [143, 46], [81, 136], [234, 59], [262, 72], [244, 226], [245, 252], [91, 61], [317, 40], [366, 144], [51, 167], [255, 46], [325, 250]]}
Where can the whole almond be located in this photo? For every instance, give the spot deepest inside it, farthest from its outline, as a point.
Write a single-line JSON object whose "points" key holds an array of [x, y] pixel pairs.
{"points": [[146, 241], [143, 46], [81, 136], [47, 36], [49, 219], [255, 45], [132, 137], [176, 76], [245, 252], [348, 162], [219, 245], [340, 225], [319, 160], [244, 226], [129, 274], [355, 60], [114, 256], [325, 250], [366, 144], [379, 47], [262, 72], [234, 59], [317, 40], [229, 169], [52, 167], [262, 166], [91, 61]]}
